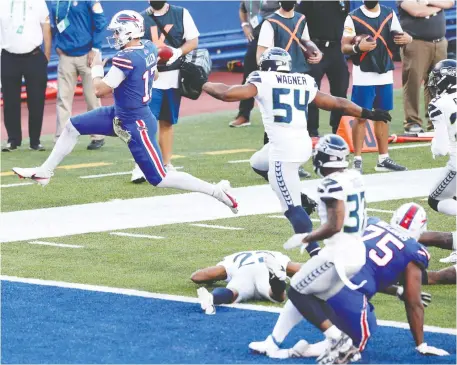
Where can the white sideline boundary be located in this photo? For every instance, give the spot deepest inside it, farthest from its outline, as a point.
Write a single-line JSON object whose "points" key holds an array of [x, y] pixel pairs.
{"points": [[180, 298]]}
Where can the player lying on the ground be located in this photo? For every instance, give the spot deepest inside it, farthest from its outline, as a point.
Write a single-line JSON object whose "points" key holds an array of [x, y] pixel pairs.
{"points": [[392, 254], [342, 211], [442, 111], [130, 79], [283, 98], [248, 277]]}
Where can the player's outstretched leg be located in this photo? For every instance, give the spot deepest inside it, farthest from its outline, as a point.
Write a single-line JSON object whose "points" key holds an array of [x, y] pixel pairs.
{"points": [[64, 145]]}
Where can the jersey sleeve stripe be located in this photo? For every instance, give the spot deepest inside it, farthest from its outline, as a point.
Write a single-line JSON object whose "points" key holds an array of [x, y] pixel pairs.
{"points": [[335, 189], [121, 60], [122, 65], [255, 79]]}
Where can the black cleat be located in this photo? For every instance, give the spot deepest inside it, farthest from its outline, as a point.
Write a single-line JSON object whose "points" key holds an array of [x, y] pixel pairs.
{"points": [[303, 174], [389, 165], [96, 144], [308, 204]]}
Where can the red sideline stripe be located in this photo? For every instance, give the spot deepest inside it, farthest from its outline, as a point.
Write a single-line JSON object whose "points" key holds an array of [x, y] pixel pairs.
{"points": [[122, 65], [121, 60], [364, 325], [409, 216], [150, 148]]}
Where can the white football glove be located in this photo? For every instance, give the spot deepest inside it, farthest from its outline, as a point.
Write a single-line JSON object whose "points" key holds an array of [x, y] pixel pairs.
{"points": [[177, 52], [426, 298], [425, 349], [296, 241]]}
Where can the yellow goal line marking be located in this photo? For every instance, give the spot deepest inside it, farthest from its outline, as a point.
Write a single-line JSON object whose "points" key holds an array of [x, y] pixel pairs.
{"points": [[69, 167], [229, 152]]}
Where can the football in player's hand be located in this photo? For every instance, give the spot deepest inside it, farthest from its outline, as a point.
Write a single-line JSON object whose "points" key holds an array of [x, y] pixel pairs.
{"points": [[358, 38], [310, 48], [165, 53]]}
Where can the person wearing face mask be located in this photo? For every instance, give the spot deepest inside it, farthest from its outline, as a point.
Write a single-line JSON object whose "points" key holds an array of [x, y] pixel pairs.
{"points": [[172, 26], [372, 73], [285, 28]]}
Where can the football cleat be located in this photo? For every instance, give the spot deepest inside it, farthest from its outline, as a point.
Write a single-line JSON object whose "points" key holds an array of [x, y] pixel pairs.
{"points": [[169, 167], [275, 268], [340, 351], [137, 175], [36, 174], [267, 347], [389, 165], [206, 301], [221, 193], [357, 164], [451, 259], [308, 204]]}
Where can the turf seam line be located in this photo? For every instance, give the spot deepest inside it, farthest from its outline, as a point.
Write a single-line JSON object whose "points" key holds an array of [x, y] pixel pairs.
{"points": [[54, 244], [216, 226], [136, 235]]}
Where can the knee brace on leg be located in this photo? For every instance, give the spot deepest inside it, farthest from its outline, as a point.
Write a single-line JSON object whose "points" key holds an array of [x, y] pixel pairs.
{"points": [[311, 307], [264, 174], [222, 296], [301, 223], [433, 203]]}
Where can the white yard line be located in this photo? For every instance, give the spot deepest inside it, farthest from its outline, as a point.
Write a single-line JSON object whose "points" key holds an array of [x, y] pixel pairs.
{"points": [[54, 244], [179, 298], [136, 235], [188, 207], [14, 185], [409, 146], [106, 175], [380, 210], [238, 161], [216, 227]]}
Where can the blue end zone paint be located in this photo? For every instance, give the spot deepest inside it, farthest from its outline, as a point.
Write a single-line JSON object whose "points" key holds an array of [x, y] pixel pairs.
{"points": [[43, 324]]}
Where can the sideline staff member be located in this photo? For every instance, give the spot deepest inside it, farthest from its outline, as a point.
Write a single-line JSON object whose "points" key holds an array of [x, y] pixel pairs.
{"points": [[24, 24], [326, 24]]}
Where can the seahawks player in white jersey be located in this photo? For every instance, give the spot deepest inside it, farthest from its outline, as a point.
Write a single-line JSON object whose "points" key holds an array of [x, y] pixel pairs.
{"points": [[283, 98], [442, 111], [343, 218], [251, 275]]}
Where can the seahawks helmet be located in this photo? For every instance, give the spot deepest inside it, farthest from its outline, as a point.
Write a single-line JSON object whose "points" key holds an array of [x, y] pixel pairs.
{"points": [[330, 151], [442, 76], [275, 59]]}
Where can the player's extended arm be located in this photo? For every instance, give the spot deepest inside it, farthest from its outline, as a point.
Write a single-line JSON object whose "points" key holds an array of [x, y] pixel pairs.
{"points": [[413, 302], [230, 93], [334, 224], [292, 268], [329, 102], [444, 240], [209, 274], [399, 291], [447, 276]]}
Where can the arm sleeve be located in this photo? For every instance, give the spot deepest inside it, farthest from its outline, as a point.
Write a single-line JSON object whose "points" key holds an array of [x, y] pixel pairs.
{"points": [[190, 29], [99, 23], [330, 189], [305, 35], [266, 35], [349, 28], [43, 12], [114, 77], [395, 23], [123, 63]]}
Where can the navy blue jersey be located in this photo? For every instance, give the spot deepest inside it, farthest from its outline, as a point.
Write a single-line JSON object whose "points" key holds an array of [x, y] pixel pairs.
{"points": [[389, 251], [139, 66]]}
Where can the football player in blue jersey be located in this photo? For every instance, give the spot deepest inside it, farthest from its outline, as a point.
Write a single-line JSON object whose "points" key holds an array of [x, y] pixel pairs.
{"points": [[393, 255], [130, 79]]}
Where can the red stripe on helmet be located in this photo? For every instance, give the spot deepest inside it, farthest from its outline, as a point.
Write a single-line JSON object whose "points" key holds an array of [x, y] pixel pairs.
{"points": [[408, 217]]}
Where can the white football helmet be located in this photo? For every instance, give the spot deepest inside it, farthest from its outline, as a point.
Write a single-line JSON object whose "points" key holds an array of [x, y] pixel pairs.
{"points": [[125, 25], [410, 218]]}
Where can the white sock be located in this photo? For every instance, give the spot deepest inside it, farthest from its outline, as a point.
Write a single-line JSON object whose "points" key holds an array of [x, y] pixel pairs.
{"points": [[64, 145], [448, 206], [288, 319], [184, 181], [357, 157], [381, 158], [332, 333]]}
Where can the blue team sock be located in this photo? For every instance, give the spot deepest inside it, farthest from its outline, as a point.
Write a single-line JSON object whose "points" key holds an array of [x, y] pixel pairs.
{"points": [[301, 222], [222, 296]]}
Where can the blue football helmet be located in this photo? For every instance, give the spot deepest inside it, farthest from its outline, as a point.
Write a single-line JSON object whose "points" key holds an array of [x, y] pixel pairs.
{"points": [[275, 59], [442, 77], [331, 151]]}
